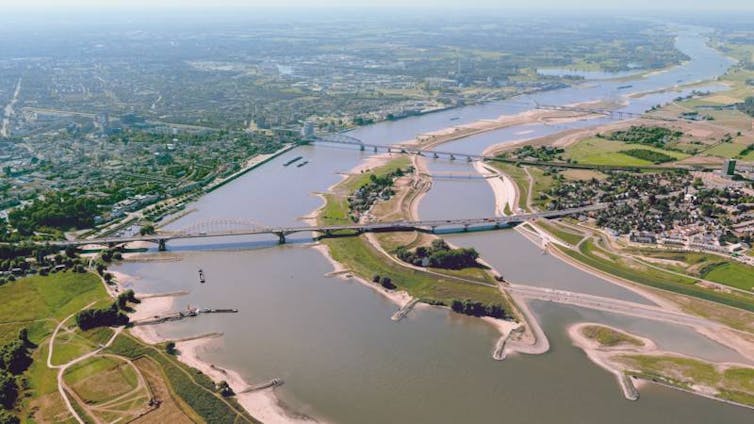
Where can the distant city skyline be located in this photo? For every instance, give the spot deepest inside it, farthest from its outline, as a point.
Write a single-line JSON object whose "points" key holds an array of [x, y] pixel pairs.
{"points": [[682, 6]]}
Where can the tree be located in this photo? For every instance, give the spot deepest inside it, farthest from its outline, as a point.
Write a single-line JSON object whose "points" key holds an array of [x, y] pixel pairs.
{"points": [[8, 389], [7, 418], [170, 348], [224, 389], [387, 283], [147, 229]]}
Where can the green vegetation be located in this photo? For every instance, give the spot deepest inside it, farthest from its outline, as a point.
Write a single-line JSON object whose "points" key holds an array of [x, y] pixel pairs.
{"points": [[43, 300], [650, 136], [731, 383], [195, 388], [58, 211], [609, 337], [439, 255], [600, 151], [648, 155], [379, 186], [708, 266], [613, 264], [477, 309]]}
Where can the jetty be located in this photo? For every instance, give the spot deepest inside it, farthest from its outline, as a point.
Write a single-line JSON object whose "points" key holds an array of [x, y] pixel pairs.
{"points": [[181, 315], [272, 383], [405, 309]]}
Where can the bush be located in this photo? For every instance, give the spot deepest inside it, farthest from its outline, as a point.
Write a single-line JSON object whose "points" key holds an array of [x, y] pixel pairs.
{"points": [[387, 283], [103, 317], [478, 309], [8, 389], [7, 418], [170, 348]]}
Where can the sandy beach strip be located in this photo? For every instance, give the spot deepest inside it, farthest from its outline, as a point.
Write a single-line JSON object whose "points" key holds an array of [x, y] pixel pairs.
{"points": [[262, 404]]}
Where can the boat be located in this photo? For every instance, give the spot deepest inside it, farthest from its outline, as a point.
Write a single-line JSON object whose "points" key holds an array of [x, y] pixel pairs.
{"points": [[201, 276], [455, 118], [302, 164], [296, 159], [623, 87]]}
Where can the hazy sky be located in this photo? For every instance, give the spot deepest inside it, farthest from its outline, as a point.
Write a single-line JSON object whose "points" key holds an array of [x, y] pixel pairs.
{"points": [[681, 5]]}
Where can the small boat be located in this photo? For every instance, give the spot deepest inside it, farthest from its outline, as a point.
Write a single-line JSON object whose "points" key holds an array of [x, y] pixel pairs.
{"points": [[623, 87], [455, 118], [296, 159], [201, 276], [302, 164]]}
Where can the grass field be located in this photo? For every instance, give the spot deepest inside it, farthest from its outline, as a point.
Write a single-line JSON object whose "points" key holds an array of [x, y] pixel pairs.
{"points": [[39, 302], [598, 151], [609, 337], [732, 383]]}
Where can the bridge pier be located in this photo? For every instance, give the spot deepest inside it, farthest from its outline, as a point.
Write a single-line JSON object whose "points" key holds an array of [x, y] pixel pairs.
{"points": [[162, 245], [361, 147], [375, 149], [389, 150], [452, 157], [281, 238], [468, 158], [465, 227], [434, 227], [435, 155]]}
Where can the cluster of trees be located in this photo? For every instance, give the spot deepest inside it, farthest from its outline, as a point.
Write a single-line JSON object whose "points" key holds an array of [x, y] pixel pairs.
{"points": [[57, 211], [379, 186], [747, 106], [640, 134], [384, 281], [541, 153], [478, 309], [111, 316], [15, 358], [649, 155], [439, 255]]}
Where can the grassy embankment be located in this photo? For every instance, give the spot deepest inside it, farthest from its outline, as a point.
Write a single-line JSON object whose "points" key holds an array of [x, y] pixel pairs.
{"points": [[708, 266], [363, 259], [593, 256], [729, 383], [609, 337], [568, 236]]}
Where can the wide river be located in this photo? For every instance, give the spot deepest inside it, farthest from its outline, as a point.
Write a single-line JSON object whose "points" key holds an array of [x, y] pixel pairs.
{"points": [[331, 339]]}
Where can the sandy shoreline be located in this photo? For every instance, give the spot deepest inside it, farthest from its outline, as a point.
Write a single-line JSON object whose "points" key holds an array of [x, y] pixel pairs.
{"points": [[262, 404]]}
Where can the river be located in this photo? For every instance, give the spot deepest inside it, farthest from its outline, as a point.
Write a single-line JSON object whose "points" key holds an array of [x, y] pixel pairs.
{"points": [[330, 339]]}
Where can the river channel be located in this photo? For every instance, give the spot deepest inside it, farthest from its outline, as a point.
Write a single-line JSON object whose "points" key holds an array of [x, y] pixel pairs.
{"points": [[331, 339]]}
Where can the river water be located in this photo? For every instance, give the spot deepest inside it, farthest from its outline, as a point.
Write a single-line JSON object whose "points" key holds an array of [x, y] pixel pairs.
{"points": [[330, 339]]}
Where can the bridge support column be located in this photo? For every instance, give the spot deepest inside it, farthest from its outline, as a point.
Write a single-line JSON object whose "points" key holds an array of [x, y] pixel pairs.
{"points": [[452, 157], [468, 158], [434, 227], [375, 149], [435, 155], [465, 227], [281, 238], [162, 245], [361, 147]]}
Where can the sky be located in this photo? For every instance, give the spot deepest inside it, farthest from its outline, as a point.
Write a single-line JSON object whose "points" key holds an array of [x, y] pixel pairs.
{"points": [[680, 5]]}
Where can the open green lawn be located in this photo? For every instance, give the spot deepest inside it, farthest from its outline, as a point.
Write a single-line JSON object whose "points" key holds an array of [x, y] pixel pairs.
{"points": [[100, 379], [731, 273], [598, 151], [31, 300]]}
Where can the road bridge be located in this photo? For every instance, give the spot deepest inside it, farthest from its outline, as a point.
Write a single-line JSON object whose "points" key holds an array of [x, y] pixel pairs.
{"points": [[606, 304], [228, 228], [347, 140]]}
